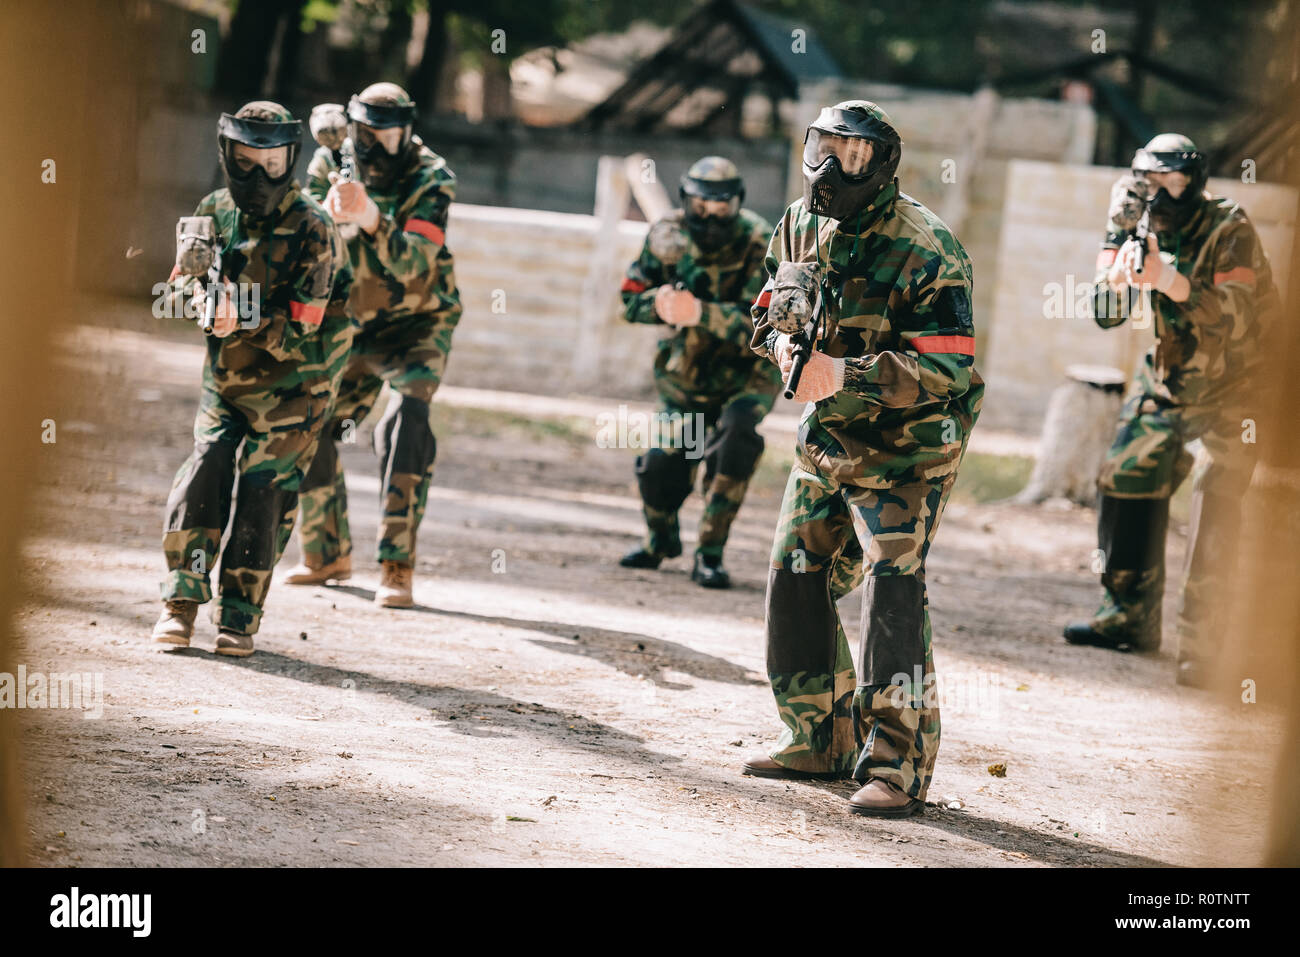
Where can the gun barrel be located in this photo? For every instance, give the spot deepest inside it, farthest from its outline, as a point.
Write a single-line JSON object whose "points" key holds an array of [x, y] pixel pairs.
{"points": [[802, 352], [210, 309]]}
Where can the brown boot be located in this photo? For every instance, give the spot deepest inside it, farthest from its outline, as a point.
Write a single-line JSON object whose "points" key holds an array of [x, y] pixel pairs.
{"points": [[237, 646], [762, 766], [307, 573], [879, 798], [176, 623], [395, 586]]}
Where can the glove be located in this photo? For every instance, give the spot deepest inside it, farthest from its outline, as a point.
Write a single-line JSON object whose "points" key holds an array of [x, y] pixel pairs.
{"points": [[822, 377], [350, 203], [677, 307]]}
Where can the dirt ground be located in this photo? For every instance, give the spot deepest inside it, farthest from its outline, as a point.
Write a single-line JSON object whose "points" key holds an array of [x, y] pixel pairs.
{"points": [[542, 705]]}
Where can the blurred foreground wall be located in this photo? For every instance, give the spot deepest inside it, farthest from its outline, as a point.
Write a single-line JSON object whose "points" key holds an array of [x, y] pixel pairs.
{"points": [[58, 154]]}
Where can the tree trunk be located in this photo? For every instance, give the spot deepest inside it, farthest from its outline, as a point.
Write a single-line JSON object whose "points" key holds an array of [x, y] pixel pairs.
{"points": [[1077, 431], [424, 79], [245, 53]]}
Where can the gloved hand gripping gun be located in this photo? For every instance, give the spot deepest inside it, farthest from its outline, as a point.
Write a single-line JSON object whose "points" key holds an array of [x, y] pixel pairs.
{"points": [[797, 309], [198, 254]]}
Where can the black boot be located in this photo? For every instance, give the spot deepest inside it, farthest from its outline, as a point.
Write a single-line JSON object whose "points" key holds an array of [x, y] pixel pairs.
{"points": [[708, 571], [1131, 536], [640, 558]]}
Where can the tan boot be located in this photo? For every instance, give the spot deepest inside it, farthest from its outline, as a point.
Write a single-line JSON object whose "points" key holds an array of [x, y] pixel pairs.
{"points": [[879, 798], [395, 586], [176, 623], [305, 573], [761, 766], [236, 646]]}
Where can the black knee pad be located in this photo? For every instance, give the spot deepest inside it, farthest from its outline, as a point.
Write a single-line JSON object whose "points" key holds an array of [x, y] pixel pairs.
{"points": [[259, 509], [203, 496], [664, 480], [801, 633], [320, 474], [404, 435], [893, 629], [734, 447], [1131, 532]]}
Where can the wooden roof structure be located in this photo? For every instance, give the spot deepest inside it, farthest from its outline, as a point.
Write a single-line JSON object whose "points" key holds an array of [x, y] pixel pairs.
{"points": [[723, 52]]}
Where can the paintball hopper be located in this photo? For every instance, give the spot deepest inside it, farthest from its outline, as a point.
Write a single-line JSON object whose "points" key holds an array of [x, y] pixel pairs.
{"points": [[796, 294], [1128, 201], [196, 238], [329, 125], [667, 241]]}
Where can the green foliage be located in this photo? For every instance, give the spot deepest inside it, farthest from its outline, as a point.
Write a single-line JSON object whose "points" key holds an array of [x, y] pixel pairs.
{"points": [[991, 478]]}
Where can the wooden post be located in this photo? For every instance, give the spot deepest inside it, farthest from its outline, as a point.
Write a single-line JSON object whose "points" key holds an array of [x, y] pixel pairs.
{"points": [[599, 299], [1077, 431], [650, 193]]}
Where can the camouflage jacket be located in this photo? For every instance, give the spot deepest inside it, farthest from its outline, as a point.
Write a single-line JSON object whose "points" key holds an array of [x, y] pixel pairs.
{"points": [[898, 309], [1205, 347], [405, 268], [299, 264], [712, 361]]}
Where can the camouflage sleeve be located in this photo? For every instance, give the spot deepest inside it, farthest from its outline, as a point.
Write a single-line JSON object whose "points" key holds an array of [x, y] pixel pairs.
{"points": [[644, 276], [731, 320], [341, 289], [318, 174], [764, 337], [295, 308], [411, 248], [938, 343], [1220, 311]]}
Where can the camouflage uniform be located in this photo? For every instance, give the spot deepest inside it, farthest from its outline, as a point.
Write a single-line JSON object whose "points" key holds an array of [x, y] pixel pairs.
{"points": [[875, 463], [707, 370], [1190, 385], [268, 387], [406, 304]]}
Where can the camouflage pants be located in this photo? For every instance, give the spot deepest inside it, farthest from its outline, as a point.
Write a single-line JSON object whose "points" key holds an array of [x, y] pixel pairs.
{"points": [[871, 721], [254, 447], [731, 448], [1149, 460], [410, 355]]}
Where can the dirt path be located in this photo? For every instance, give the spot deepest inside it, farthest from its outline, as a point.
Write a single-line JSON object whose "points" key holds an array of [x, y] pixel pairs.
{"points": [[543, 705]]}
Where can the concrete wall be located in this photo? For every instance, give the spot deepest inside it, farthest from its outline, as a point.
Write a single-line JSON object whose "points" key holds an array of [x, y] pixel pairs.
{"points": [[1052, 223], [522, 275]]}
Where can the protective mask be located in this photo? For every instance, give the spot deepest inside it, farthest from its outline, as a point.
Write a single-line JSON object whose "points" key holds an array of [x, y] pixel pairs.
{"points": [[254, 192]]}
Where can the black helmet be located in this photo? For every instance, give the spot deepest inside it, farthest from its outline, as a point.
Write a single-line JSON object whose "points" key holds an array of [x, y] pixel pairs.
{"points": [[260, 125], [712, 179], [380, 106], [1170, 153], [838, 180]]}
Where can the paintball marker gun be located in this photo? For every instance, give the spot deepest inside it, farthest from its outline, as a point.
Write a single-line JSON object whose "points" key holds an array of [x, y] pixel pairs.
{"points": [[668, 244], [198, 254], [796, 310], [1129, 212], [329, 127]]}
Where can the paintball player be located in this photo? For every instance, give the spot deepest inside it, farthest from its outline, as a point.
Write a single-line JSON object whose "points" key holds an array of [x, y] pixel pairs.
{"points": [[882, 289], [1211, 295], [268, 380], [704, 367], [406, 304]]}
